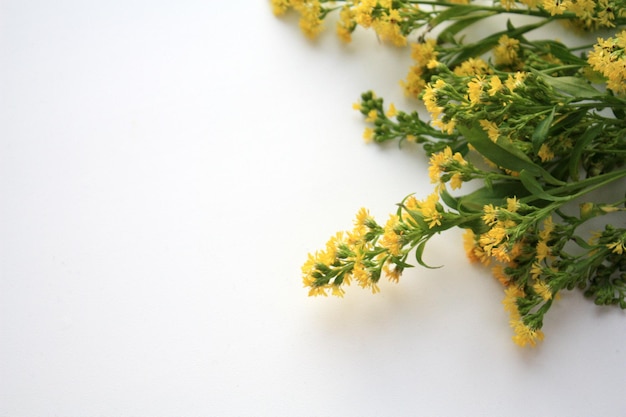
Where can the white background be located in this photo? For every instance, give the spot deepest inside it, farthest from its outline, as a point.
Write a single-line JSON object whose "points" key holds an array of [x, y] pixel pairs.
{"points": [[165, 167]]}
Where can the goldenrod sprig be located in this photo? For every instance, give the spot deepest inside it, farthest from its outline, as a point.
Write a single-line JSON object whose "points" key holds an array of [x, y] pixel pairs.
{"points": [[540, 123]]}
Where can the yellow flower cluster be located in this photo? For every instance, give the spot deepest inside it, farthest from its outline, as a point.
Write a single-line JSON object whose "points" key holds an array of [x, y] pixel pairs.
{"points": [[447, 162], [506, 52], [369, 250], [590, 13], [424, 54], [524, 334], [311, 22], [497, 244], [380, 15], [609, 58], [343, 259]]}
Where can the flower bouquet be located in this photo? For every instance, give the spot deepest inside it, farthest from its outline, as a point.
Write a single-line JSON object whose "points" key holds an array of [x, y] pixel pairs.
{"points": [[538, 124]]}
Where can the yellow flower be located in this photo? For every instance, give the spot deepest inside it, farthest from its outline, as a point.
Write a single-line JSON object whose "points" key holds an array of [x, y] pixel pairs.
{"points": [[414, 83], [429, 210], [501, 253], [337, 291], [424, 52], [310, 22], [473, 66], [475, 90], [432, 64], [436, 164], [609, 58], [545, 153], [511, 294], [443, 161], [447, 127], [388, 28], [513, 82], [584, 10], [469, 243], [316, 291], [430, 101], [543, 289], [490, 215], [548, 227], [392, 112], [392, 273], [362, 216], [411, 203], [360, 275], [363, 12], [524, 335], [345, 24], [390, 240], [368, 134], [536, 270], [279, 7], [500, 275], [506, 52], [508, 4], [512, 204], [556, 7], [456, 181], [543, 251], [495, 85], [617, 247], [491, 129], [606, 16], [372, 115]]}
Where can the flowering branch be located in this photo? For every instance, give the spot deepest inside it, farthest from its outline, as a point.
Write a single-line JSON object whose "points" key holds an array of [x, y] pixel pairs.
{"points": [[540, 124]]}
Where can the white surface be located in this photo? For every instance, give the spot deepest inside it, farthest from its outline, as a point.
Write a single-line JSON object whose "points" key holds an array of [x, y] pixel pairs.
{"points": [[164, 169]]}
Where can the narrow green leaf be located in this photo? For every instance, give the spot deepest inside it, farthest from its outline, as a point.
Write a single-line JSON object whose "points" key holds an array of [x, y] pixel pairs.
{"points": [[535, 188], [573, 86], [450, 201], [496, 195], [541, 132], [579, 148], [451, 13], [448, 34], [486, 44], [569, 121], [419, 253], [562, 52], [501, 153]]}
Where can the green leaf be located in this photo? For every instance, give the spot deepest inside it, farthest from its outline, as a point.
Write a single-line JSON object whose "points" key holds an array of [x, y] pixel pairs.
{"points": [[451, 13], [486, 44], [502, 153], [535, 188], [541, 132], [448, 34], [450, 201], [577, 151], [419, 253], [562, 52], [496, 194], [573, 86], [571, 120]]}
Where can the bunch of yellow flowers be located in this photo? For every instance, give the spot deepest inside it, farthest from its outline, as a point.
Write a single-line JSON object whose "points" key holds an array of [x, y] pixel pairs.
{"points": [[539, 123]]}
